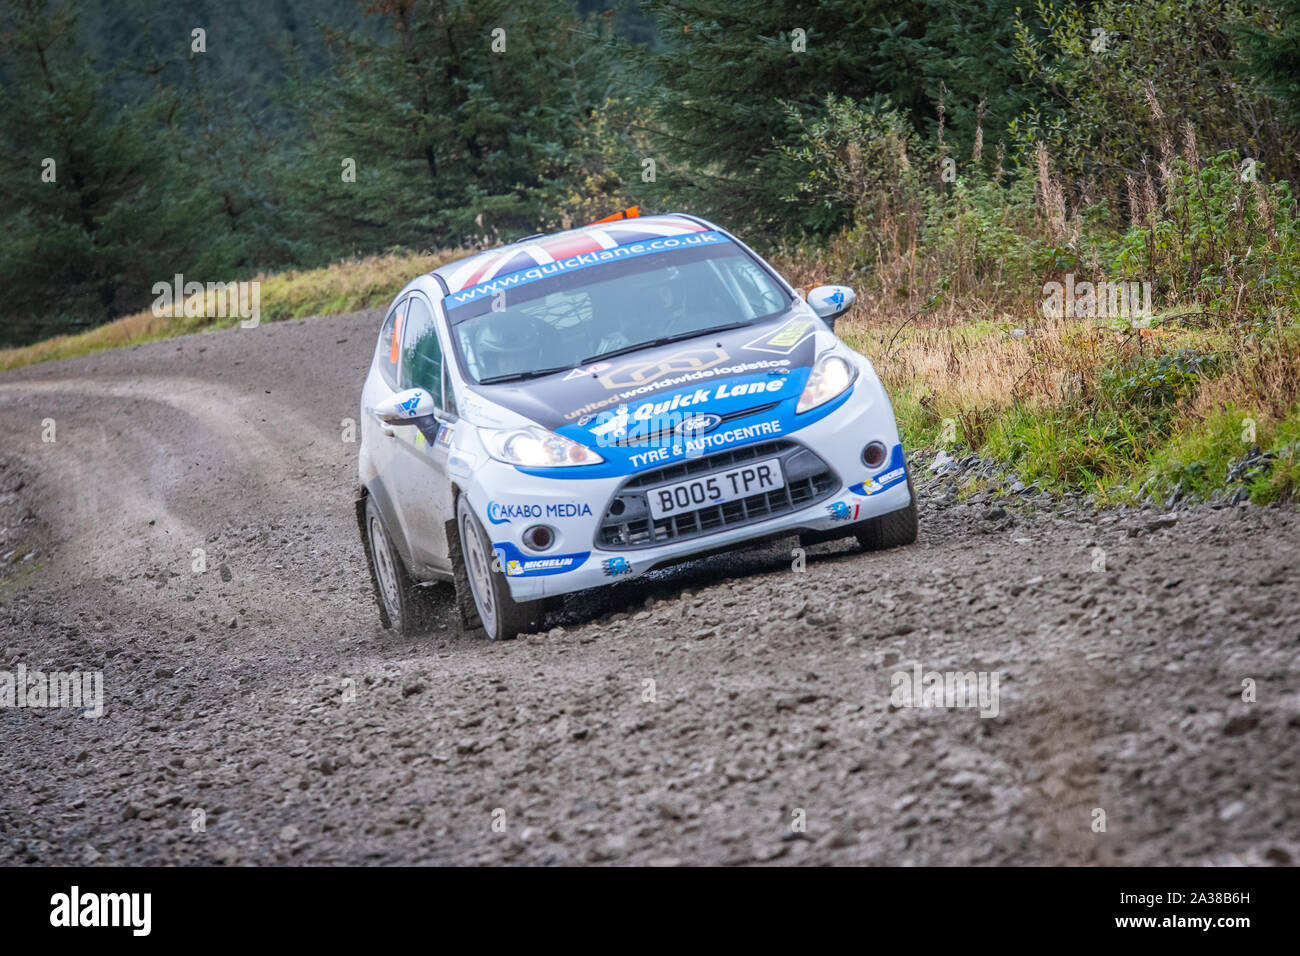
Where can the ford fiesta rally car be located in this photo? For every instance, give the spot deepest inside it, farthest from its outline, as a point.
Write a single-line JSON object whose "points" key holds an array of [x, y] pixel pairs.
{"points": [[577, 409]]}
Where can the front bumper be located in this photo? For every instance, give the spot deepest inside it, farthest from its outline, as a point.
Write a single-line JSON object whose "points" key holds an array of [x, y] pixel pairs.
{"points": [[584, 556]]}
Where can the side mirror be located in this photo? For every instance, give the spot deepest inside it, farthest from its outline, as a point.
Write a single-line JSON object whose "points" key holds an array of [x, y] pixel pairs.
{"points": [[405, 407], [831, 301]]}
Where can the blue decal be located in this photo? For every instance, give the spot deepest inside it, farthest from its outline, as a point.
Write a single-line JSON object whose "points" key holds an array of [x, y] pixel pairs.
{"points": [[839, 511], [516, 564], [612, 433], [616, 566], [410, 404], [894, 472]]}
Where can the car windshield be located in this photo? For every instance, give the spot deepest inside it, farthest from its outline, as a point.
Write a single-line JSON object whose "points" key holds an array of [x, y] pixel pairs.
{"points": [[577, 318]]}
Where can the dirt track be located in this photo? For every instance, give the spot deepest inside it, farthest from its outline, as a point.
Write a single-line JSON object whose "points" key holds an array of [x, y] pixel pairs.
{"points": [[230, 691]]}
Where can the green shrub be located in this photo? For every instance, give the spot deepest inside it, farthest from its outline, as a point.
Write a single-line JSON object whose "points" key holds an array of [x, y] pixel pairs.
{"points": [[1154, 383]]}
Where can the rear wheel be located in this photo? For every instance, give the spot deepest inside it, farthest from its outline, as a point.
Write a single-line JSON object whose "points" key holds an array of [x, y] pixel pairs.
{"points": [[403, 605], [500, 616], [892, 530]]}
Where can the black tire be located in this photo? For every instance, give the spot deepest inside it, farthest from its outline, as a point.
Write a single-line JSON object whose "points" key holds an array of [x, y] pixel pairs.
{"points": [[480, 577], [464, 596], [403, 604], [892, 530]]}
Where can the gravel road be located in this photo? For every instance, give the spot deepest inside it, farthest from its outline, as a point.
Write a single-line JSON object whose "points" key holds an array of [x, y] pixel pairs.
{"points": [[733, 711]]}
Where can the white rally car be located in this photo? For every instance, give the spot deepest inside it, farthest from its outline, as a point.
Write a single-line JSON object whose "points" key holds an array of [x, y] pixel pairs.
{"points": [[577, 409]]}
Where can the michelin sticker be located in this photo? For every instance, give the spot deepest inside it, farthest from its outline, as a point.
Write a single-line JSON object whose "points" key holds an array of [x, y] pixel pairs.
{"points": [[874, 486], [896, 471], [519, 565]]}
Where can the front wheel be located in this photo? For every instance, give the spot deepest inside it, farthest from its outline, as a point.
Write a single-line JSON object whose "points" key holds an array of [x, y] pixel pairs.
{"points": [[500, 616], [892, 530]]}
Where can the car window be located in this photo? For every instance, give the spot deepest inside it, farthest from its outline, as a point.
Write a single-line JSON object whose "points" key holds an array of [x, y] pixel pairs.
{"points": [[558, 322], [389, 335], [421, 352]]}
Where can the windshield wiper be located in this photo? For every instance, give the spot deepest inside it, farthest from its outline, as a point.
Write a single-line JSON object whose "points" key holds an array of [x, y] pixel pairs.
{"points": [[521, 376], [661, 341]]}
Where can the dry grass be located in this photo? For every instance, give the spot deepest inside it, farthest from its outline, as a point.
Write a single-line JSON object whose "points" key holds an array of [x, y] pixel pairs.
{"points": [[1264, 381], [346, 286], [985, 366]]}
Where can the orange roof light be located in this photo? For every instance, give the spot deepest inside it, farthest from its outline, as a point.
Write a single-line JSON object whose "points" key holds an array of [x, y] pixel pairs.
{"points": [[631, 212]]}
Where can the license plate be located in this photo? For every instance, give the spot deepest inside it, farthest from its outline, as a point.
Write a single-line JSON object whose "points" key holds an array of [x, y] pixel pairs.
{"points": [[717, 488]]}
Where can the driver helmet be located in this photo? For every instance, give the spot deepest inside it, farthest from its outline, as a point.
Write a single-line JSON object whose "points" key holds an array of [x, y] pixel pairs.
{"points": [[508, 346], [660, 298]]}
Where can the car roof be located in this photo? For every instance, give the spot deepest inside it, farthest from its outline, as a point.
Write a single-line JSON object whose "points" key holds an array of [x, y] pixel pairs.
{"points": [[540, 250]]}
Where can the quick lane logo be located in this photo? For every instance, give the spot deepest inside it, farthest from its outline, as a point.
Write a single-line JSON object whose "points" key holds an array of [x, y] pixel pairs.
{"points": [[103, 909], [687, 360], [771, 366], [665, 418]]}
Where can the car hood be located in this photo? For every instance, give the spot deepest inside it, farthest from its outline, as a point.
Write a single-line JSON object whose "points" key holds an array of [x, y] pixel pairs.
{"points": [[762, 351], [675, 402]]}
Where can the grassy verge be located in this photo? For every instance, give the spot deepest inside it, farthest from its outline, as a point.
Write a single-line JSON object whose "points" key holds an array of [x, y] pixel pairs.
{"points": [[343, 287], [1143, 415]]}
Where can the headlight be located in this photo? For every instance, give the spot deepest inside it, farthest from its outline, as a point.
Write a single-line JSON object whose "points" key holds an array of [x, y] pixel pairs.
{"points": [[535, 447], [830, 377]]}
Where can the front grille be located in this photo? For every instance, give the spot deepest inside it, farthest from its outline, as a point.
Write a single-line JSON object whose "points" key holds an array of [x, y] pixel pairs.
{"points": [[628, 524]]}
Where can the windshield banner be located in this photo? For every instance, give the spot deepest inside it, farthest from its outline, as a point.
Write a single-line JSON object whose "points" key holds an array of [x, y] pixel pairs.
{"points": [[583, 261]]}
